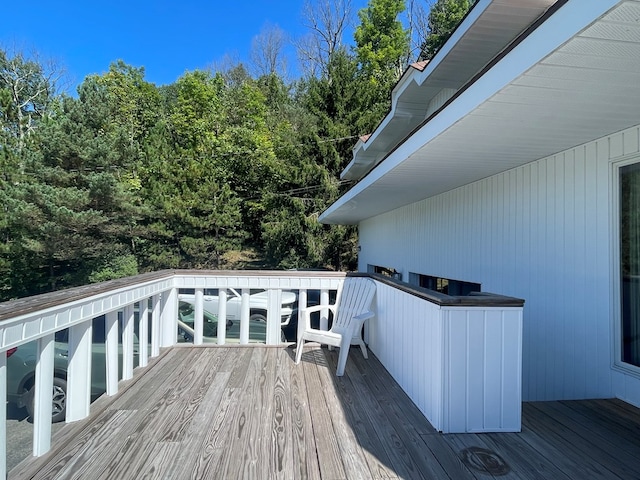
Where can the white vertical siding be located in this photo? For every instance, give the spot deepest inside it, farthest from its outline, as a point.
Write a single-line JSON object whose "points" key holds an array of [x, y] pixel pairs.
{"points": [[481, 355], [460, 365], [406, 336], [542, 232]]}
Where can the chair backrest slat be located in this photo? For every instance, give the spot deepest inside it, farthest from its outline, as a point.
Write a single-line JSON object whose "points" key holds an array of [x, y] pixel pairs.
{"points": [[355, 298]]}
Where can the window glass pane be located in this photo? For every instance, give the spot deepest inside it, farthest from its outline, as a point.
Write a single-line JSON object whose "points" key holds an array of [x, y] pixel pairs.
{"points": [[630, 262]]}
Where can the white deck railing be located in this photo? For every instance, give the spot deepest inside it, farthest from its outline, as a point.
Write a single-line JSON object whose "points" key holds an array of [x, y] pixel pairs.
{"points": [[458, 358], [39, 318]]}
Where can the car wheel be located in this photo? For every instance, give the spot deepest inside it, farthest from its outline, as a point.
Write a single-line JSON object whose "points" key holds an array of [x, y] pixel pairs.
{"points": [[58, 400], [258, 317]]}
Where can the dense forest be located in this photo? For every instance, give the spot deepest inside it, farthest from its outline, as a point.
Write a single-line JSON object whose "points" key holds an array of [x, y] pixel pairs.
{"points": [[224, 168]]}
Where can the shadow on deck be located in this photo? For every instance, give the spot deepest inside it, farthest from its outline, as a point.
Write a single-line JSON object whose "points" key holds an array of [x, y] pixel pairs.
{"points": [[250, 412]]}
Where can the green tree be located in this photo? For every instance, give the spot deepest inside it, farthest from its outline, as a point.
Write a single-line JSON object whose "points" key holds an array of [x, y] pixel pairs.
{"points": [[316, 132], [382, 43], [203, 191], [27, 89], [78, 216], [444, 17]]}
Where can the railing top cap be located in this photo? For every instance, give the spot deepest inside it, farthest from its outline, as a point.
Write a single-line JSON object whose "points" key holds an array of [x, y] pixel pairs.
{"points": [[26, 305], [21, 306], [475, 299]]}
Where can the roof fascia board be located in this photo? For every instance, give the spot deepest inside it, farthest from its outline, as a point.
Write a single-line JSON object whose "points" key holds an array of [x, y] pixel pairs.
{"points": [[467, 22], [415, 75], [570, 19]]}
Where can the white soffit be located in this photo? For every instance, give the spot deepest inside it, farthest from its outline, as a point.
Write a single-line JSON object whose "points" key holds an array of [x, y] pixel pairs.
{"points": [[488, 28], [574, 79]]}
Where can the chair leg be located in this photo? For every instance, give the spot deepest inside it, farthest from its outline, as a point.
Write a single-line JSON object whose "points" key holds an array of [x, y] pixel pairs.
{"points": [[363, 347], [299, 349], [342, 359]]}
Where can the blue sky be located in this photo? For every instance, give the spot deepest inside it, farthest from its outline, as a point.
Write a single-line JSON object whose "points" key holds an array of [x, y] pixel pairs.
{"points": [[167, 38]]}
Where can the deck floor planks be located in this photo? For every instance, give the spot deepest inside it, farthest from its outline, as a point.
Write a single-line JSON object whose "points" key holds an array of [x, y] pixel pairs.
{"points": [[73, 435], [539, 444], [609, 458], [260, 447], [242, 388], [328, 453], [402, 418], [152, 385], [611, 419], [160, 461], [296, 417], [305, 458], [380, 382], [611, 449], [519, 452], [138, 446], [448, 460], [353, 458], [358, 408], [281, 459], [565, 446], [191, 397], [215, 420], [80, 456]]}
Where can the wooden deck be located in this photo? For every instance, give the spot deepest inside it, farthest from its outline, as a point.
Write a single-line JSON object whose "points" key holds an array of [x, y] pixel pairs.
{"points": [[238, 412]]}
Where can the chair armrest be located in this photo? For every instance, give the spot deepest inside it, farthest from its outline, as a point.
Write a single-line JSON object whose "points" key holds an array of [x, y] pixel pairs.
{"points": [[305, 314], [317, 308], [364, 316], [357, 322]]}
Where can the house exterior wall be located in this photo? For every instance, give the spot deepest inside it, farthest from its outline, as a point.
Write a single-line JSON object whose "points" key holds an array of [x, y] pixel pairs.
{"points": [[544, 232]]}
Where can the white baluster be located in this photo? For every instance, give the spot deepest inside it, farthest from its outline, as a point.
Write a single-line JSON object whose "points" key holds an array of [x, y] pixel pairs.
{"points": [[143, 336], [245, 312], [127, 342], [79, 371], [111, 347], [43, 395], [222, 316], [198, 321]]}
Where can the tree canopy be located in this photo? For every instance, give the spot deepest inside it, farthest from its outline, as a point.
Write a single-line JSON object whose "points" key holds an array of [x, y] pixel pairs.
{"points": [[222, 168]]}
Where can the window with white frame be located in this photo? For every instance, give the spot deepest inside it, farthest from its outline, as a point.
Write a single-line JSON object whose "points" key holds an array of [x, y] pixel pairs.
{"points": [[630, 263]]}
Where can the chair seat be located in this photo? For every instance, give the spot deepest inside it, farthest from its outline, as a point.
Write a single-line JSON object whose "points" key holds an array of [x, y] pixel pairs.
{"points": [[323, 336]]}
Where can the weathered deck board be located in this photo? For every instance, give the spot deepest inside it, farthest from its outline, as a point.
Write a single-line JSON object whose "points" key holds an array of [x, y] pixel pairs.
{"points": [[366, 431], [328, 452], [305, 464], [567, 446], [406, 424], [211, 412], [353, 458]]}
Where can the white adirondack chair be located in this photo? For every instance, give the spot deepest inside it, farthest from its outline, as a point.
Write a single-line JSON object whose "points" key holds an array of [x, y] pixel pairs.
{"points": [[352, 308]]}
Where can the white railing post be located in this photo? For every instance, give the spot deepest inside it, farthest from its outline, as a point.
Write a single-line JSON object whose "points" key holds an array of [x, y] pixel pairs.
{"points": [[245, 313], [302, 303], [198, 321], [143, 333], [274, 317], [43, 395], [111, 347], [222, 316], [127, 342], [169, 319], [3, 414], [324, 313], [156, 307], [79, 371]]}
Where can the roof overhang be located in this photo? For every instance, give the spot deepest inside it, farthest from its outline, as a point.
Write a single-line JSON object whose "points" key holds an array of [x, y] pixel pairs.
{"points": [[487, 29], [575, 78]]}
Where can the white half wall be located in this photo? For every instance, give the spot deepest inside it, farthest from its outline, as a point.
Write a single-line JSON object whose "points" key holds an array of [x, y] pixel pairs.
{"points": [[541, 232]]}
